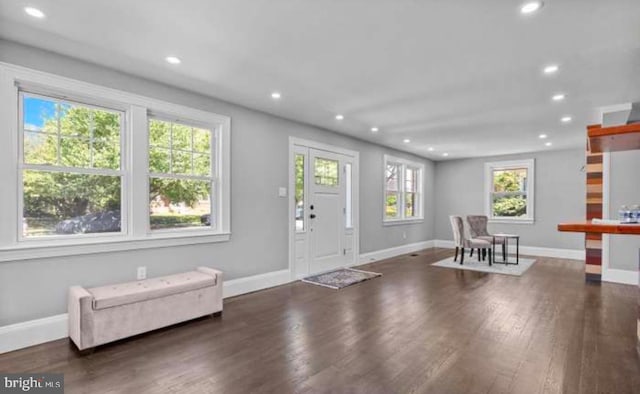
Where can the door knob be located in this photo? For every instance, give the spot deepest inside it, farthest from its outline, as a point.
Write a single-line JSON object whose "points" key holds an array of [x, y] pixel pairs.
{"points": [[312, 216]]}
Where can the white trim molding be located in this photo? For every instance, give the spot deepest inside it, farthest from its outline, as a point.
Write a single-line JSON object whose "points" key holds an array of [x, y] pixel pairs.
{"points": [[249, 284], [388, 253], [620, 276], [571, 254]]}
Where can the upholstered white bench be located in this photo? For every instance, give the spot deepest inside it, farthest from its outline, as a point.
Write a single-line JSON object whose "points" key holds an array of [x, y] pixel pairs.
{"points": [[104, 314]]}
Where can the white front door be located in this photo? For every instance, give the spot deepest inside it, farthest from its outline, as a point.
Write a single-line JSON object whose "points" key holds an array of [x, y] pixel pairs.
{"points": [[327, 211], [325, 228]]}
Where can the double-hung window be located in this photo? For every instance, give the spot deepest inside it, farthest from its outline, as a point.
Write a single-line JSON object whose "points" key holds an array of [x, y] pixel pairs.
{"points": [[403, 190], [86, 169], [509, 191]]}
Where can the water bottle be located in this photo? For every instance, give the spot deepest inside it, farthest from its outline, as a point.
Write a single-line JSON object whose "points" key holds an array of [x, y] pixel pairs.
{"points": [[624, 214], [635, 213]]}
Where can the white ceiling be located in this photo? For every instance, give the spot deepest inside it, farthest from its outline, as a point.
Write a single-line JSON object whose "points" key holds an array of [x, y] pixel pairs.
{"points": [[463, 77]]}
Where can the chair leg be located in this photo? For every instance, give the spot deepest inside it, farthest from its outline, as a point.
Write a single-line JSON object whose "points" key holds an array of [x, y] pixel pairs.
{"points": [[504, 251], [471, 253], [490, 257], [462, 257], [479, 255], [455, 258]]}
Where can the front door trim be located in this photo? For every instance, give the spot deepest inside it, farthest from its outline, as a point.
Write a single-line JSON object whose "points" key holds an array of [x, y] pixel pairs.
{"points": [[293, 142]]}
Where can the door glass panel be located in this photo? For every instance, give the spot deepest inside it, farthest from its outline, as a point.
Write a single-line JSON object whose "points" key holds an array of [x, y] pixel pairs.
{"points": [[326, 172], [299, 192], [348, 212]]}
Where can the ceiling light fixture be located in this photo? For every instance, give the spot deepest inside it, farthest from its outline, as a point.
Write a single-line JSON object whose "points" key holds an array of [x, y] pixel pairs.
{"points": [[276, 95], [445, 154], [406, 140], [430, 149], [530, 7], [566, 119], [34, 12], [339, 117], [548, 143], [374, 129], [551, 69], [558, 97], [173, 60], [542, 136]]}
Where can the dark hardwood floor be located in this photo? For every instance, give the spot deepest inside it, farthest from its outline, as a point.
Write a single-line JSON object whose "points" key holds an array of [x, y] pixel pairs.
{"points": [[417, 329]]}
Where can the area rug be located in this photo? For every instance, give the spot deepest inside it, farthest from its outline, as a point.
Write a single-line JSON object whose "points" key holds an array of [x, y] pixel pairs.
{"points": [[340, 278], [471, 264]]}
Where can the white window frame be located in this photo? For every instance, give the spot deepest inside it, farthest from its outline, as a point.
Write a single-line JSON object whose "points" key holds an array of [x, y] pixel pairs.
{"points": [[135, 233], [403, 163], [489, 168]]}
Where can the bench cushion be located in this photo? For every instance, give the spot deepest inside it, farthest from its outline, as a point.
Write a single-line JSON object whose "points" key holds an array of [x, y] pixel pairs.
{"points": [[132, 292]]}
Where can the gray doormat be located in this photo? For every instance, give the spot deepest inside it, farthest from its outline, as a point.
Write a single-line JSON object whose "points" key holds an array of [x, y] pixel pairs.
{"points": [[340, 278]]}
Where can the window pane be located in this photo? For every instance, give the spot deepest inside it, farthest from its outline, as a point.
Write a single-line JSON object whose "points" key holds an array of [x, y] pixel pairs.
{"points": [[181, 162], [181, 137], [511, 180], [179, 203], [299, 192], [411, 180], [349, 202], [159, 160], [201, 164], [202, 140], [326, 172], [391, 204], [391, 177], [410, 205], [509, 205], [75, 135], [159, 133], [40, 148], [58, 203]]}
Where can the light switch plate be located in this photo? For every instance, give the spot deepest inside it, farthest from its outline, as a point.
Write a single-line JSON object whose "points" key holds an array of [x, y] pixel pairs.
{"points": [[142, 273]]}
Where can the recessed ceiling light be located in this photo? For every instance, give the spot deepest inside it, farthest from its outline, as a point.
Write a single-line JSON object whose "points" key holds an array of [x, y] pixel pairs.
{"points": [[173, 60], [445, 154], [551, 69], [558, 97], [34, 12], [406, 140], [339, 117], [374, 129], [530, 7], [566, 119], [542, 136], [276, 95], [548, 143], [430, 149]]}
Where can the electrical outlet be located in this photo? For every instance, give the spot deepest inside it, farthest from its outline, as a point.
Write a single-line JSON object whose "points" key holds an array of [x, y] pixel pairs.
{"points": [[404, 235], [282, 191], [142, 273]]}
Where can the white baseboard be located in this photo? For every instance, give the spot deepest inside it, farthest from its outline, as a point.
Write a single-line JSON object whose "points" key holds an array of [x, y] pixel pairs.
{"points": [[571, 254], [249, 284], [395, 251], [33, 332], [620, 276]]}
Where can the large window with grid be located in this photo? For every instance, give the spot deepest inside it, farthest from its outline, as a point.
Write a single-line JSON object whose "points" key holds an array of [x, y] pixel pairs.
{"points": [[87, 169], [180, 175], [403, 190]]}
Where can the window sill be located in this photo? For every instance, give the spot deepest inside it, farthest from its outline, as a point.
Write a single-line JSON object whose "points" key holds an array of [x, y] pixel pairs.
{"points": [[95, 246], [399, 222], [511, 221]]}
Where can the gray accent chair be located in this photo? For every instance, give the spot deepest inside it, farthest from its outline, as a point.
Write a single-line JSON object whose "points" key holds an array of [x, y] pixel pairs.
{"points": [[478, 230], [461, 241]]}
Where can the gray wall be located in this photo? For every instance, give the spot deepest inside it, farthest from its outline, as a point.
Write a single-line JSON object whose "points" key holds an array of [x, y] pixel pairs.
{"points": [[624, 189], [37, 288], [559, 196]]}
